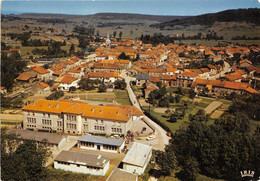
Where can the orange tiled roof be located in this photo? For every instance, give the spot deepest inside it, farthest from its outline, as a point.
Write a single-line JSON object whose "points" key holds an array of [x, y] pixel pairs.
{"points": [[111, 112], [66, 78], [41, 70], [42, 85], [26, 76], [233, 76]]}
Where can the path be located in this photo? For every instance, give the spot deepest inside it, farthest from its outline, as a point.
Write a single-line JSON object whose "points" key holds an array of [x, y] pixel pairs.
{"points": [[161, 139]]}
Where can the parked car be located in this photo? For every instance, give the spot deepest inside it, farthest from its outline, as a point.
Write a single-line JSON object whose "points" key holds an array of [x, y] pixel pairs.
{"points": [[150, 138]]}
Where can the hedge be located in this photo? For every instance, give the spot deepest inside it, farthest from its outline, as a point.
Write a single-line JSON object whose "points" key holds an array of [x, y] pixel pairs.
{"points": [[166, 128]]}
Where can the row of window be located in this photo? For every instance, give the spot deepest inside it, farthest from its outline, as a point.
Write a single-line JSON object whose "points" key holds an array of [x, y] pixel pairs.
{"points": [[46, 127], [59, 123], [71, 126], [46, 121], [87, 144], [71, 118], [99, 128], [109, 147], [116, 130], [30, 125], [31, 120]]}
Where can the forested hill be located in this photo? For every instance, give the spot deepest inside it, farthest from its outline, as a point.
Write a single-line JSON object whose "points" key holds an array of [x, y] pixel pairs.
{"points": [[251, 15]]}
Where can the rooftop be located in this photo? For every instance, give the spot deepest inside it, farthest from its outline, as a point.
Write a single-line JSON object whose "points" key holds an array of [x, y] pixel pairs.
{"points": [[37, 136], [122, 175], [82, 158], [137, 154], [101, 140]]}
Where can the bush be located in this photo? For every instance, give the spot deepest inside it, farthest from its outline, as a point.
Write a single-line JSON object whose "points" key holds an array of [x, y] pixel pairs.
{"points": [[55, 96]]}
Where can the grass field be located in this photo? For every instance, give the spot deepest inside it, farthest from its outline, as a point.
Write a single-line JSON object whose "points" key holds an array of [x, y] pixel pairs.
{"points": [[110, 97]]}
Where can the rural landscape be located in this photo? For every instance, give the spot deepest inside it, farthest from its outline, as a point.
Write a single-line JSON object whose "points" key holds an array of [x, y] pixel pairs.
{"points": [[124, 96]]}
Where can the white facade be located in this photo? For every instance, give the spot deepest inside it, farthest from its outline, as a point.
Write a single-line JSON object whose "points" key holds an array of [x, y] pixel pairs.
{"points": [[66, 86], [78, 168]]}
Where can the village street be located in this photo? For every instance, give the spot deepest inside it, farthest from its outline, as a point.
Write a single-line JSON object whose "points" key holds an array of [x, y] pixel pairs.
{"points": [[161, 139]]}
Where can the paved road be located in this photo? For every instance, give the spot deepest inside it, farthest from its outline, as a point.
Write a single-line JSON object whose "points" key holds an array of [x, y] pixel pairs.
{"points": [[161, 139]]}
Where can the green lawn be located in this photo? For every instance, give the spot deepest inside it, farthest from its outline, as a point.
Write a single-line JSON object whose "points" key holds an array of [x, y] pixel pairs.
{"points": [[122, 97]]}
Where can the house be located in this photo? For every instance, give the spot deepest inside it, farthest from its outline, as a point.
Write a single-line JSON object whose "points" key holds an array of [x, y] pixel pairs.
{"points": [[137, 158], [82, 163], [245, 63], [51, 140], [42, 73], [141, 79], [41, 88], [185, 79], [27, 77], [125, 63], [108, 77], [77, 117], [90, 142], [66, 81], [122, 175], [220, 87]]}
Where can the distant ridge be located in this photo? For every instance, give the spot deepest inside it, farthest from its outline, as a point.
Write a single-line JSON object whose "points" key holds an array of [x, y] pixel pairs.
{"points": [[106, 16], [251, 15]]}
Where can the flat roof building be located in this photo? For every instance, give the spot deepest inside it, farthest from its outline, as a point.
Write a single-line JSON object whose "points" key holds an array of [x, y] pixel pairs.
{"points": [[101, 143], [54, 141], [137, 158], [82, 163], [122, 175]]}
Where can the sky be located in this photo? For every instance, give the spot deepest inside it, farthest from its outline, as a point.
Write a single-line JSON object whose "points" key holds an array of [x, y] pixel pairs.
{"points": [[151, 7]]}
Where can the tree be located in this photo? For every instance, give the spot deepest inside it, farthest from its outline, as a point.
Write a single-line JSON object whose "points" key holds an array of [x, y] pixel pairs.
{"points": [[114, 34], [86, 84], [55, 96], [123, 56], [72, 89], [11, 67], [72, 49], [120, 34], [192, 94], [46, 66], [163, 102], [177, 98], [167, 161], [22, 160], [190, 170], [120, 84], [102, 88]]}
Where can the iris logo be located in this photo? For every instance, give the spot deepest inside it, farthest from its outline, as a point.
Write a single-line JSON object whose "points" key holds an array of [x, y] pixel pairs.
{"points": [[247, 173]]}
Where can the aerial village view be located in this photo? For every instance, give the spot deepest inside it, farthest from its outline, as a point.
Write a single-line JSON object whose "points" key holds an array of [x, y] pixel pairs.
{"points": [[130, 90]]}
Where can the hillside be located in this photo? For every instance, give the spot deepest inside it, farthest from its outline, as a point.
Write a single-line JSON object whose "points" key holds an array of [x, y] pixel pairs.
{"points": [[251, 15], [103, 16]]}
